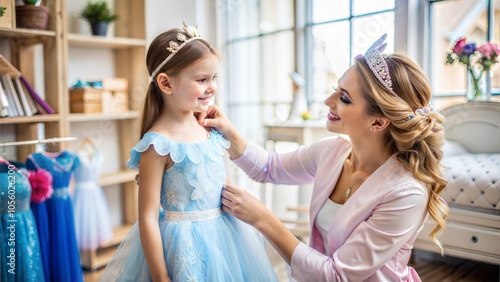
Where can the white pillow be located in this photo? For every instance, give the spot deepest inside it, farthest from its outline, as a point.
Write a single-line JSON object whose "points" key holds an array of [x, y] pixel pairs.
{"points": [[452, 148]]}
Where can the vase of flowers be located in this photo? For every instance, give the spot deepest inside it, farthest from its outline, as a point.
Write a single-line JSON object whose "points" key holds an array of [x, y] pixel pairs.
{"points": [[478, 61]]}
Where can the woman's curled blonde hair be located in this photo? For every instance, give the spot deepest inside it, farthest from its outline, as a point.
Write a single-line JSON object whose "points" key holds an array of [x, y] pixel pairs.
{"points": [[418, 140]]}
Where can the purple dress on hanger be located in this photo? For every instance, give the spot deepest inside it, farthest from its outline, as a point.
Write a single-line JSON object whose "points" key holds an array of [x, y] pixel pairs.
{"points": [[63, 254]]}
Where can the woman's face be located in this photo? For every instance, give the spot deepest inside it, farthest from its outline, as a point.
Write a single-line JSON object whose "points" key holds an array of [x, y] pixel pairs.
{"points": [[347, 114]]}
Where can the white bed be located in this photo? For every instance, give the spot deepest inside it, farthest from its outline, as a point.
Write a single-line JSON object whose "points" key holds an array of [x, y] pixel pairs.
{"points": [[472, 167]]}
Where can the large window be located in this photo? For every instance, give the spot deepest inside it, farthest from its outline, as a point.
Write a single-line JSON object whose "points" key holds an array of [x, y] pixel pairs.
{"points": [[260, 52], [340, 30], [268, 40]]}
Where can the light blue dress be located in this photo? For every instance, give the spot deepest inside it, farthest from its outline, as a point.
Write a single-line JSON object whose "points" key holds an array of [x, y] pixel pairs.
{"points": [[20, 256], [200, 241]]}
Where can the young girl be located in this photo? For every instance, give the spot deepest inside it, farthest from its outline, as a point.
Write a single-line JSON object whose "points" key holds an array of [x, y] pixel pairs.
{"points": [[181, 167]]}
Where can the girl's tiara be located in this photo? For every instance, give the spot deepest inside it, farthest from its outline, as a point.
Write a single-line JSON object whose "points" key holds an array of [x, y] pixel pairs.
{"points": [[174, 47]]}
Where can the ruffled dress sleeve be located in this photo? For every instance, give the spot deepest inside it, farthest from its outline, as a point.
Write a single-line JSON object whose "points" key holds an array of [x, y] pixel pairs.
{"points": [[213, 148]]}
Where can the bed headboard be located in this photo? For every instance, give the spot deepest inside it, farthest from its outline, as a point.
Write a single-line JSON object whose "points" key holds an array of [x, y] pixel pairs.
{"points": [[475, 125]]}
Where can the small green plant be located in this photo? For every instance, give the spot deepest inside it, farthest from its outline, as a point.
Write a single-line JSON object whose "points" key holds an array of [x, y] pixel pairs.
{"points": [[2, 11], [99, 11]]}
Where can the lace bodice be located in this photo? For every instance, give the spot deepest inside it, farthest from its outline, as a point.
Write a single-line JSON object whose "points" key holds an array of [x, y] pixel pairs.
{"points": [[195, 180]]}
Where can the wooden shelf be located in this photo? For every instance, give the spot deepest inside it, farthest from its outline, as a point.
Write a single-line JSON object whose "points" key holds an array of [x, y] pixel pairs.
{"points": [[32, 119], [100, 116], [96, 259], [26, 33], [81, 40], [117, 177]]}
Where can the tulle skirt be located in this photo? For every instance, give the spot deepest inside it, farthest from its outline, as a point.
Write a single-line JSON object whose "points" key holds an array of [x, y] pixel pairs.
{"points": [[92, 222], [218, 249]]}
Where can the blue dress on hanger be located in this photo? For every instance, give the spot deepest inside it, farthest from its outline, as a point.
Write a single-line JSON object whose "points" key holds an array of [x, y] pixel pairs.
{"points": [[200, 241], [63, 253], [20, 256], [41, 217]]}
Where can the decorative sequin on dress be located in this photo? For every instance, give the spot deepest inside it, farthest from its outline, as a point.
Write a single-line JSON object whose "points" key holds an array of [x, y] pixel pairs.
{"points": [[92, 222], [63, 254], [20, 256], [200, 241]]}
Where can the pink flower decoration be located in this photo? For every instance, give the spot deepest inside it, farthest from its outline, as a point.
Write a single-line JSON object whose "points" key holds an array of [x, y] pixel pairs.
{"points": [[489, 49], [459, 46], [41, 185]]}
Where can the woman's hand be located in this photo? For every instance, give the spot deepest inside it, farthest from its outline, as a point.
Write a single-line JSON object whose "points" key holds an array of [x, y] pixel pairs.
{"points": [[247, 208], [241, 204], [215, 118]]}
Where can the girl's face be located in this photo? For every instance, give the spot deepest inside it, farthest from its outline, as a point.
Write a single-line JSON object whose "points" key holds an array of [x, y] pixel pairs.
{"points": [[347, 113], [195, 85]]}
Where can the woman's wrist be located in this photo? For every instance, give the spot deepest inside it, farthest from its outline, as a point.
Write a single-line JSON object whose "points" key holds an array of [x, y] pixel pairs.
{"points": [[238, 144]]}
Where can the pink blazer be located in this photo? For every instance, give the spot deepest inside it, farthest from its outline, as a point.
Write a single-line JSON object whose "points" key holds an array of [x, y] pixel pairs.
{"points": [[372, 234]]}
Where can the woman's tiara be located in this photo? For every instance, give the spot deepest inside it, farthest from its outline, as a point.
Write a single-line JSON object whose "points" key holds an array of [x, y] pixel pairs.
{"points": [[174, 47], [377, 64]]}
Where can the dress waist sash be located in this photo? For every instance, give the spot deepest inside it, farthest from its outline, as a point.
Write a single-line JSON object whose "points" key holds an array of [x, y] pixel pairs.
{"points": [[192, 216]]}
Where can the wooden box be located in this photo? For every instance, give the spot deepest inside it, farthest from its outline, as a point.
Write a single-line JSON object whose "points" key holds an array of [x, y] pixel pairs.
{"points": [[85, 100], [115, 95], [8, 20]]}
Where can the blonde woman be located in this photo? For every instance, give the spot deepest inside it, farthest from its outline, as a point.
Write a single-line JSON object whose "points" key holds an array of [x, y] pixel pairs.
{"points": [[371, 194]]}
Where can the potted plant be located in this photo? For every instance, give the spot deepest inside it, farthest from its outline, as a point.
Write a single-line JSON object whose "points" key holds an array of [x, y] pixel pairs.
{"points": [[99, 15], [32, 15], [2, 10]]}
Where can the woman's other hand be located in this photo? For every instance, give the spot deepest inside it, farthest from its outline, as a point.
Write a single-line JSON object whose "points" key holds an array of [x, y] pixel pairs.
{"points": [[243, 205]]}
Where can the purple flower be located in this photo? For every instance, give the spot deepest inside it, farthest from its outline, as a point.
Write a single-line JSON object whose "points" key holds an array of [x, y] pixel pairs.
{"points": [[469, 49]]}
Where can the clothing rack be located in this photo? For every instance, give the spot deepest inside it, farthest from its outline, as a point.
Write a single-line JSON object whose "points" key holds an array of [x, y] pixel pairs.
{"points": [[38, 141]]}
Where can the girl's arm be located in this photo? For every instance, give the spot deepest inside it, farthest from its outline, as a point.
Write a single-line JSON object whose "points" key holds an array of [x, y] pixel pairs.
{"points": [[151, 169], [218, 120]]}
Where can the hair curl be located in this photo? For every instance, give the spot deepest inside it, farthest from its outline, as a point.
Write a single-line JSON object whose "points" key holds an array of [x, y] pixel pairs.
{"points": [[157, 52], [417, 141]]}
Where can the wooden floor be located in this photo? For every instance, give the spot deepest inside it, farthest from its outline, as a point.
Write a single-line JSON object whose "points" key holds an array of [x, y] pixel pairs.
{"points": [[436, 269]]}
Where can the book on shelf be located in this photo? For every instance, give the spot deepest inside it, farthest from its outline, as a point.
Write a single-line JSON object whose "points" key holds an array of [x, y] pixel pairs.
{"points": [[22, 98], [31, 102], [46, 108], [4, 103], [14, 103]]}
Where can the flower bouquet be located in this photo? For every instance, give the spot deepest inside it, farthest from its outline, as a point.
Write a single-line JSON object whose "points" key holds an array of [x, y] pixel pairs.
{"points": [[478, 60]]}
